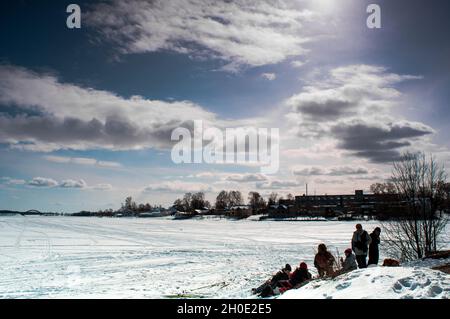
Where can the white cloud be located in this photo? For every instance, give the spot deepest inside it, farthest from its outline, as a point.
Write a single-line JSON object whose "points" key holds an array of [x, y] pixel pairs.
{"points": [[269, 76], [13, 181], [353, 105], [279, 184], [245, 178], [70, 183], [46, 120], [345, 92], [239, 32], [298, 63], [42, 182], [102, 119], [46, 182], [82, 161], [177, 187], [102, 187]]}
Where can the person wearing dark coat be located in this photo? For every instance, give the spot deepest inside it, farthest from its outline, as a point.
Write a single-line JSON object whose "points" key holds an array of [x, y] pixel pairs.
{"points": [[266, 289], [300, 276], [360, 245], [324, 261], [374, 251]]}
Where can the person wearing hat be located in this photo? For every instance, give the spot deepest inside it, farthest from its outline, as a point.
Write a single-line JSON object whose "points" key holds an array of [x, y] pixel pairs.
{"points": [[300, 276], [360, 245], [266, 289], [374, 251], [349, 263]]}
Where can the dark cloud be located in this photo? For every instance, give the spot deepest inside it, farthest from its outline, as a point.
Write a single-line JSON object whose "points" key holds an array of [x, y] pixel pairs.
{"points": [[115, 132], [334, 171], [246, 178], [340, 171], [376, 143], [327, 110], [309, 171]]}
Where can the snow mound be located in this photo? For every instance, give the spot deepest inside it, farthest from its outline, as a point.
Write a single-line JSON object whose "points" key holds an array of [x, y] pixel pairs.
{"points": [[416, 282]]}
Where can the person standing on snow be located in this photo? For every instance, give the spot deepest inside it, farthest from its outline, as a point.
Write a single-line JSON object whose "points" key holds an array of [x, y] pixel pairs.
{"points": [[374, 252], [324, 261], [360, 245]]}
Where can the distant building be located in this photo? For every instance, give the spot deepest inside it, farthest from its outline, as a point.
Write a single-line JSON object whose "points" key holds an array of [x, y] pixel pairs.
{"points": [[337, 205], [239, 211]]}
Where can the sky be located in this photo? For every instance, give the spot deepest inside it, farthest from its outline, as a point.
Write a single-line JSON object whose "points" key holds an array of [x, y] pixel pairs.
{"points": [[86, 115]]}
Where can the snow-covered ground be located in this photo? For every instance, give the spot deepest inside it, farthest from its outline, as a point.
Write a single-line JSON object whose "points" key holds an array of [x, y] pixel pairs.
{"points": [[74, 257], [404, 282]]}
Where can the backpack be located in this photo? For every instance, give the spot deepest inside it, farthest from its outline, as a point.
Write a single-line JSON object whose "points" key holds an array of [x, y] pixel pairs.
{"points": [[362, 242]]}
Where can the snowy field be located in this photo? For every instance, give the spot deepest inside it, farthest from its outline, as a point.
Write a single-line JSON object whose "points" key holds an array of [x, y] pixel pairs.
{"points": [[407, 282], [82, 257]]}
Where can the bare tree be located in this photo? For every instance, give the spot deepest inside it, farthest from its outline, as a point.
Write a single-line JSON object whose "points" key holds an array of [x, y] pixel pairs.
{"points": [[235, 198], [222, 201], [383, 188], [419, 181], [272, 199], [198, 201], [178, 204], [229, 199], [129, 205], [256, 201]]}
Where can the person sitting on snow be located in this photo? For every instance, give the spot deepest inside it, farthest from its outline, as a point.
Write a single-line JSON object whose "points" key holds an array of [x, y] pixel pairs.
{"points": [[266, 289], [324, 261], [300, 276], [349, 263]]}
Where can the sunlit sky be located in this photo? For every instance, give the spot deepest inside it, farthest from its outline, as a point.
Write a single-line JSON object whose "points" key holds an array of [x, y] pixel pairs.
{"points": [[86, 114]]}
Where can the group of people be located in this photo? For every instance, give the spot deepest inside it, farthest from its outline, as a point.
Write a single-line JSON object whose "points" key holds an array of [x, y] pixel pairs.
{"points": [[363, 245]]}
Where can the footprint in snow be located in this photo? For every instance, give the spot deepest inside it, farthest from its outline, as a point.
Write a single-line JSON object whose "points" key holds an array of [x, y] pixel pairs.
{"points": [[435, 291], [406, 282], [343, 285], [397, 287]]}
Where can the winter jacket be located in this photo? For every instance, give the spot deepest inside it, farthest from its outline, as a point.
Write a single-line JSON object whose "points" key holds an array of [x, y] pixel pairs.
{"points": [[360, 242], [374, 252], [299, 276], [281, 275], [323, 260], [266, 289], [349, 263]]}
